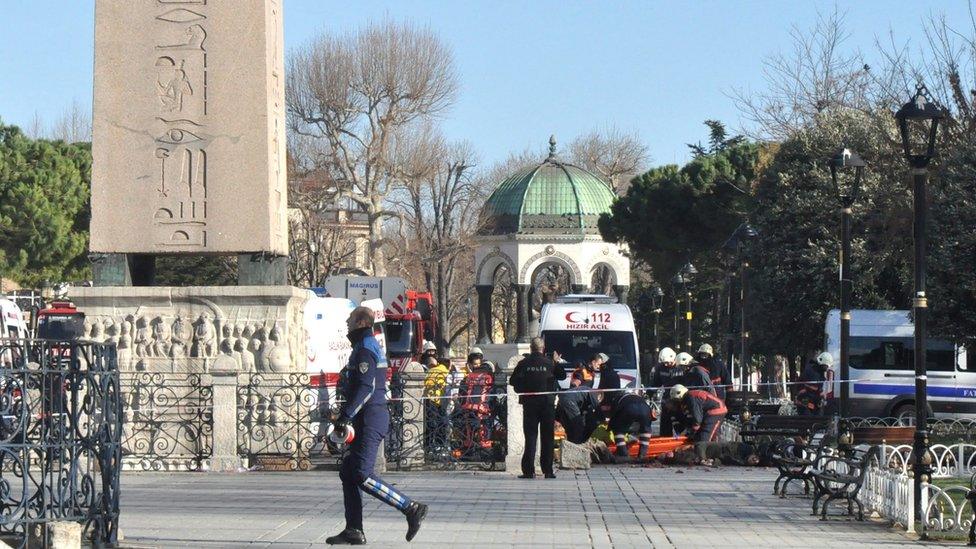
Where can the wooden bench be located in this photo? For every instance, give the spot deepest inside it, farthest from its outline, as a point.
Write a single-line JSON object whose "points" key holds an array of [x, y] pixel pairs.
{"points": [[892, 436], [774, 426], [738, 401]]}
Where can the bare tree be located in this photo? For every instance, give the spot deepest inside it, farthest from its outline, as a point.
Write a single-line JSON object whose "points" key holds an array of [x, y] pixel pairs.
{"points": [[440, 206], [37, 129], [613, 155], [355, 94], [74, 125], [319, 243], [816, 75]]}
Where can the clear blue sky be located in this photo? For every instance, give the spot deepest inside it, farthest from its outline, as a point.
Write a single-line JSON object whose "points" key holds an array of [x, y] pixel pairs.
{"points": [[528, 68]]}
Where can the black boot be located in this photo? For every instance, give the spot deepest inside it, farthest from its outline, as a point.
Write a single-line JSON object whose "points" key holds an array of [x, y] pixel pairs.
{"points": [[416, 513], [347, 537]]}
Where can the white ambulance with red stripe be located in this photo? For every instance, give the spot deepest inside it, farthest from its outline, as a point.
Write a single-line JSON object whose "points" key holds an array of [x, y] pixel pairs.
{"points": [[410, 317], [580, 326]]}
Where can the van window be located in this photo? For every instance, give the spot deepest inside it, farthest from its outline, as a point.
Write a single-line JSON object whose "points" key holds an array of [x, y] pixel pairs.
{"points": [[578, 346], [962, 354], [881, 353]]}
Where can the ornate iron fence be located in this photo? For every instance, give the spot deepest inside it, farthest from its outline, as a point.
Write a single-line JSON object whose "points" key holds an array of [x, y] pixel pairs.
{"points": [[60, 430], [168, 421], [459, 426], [280, 420]]}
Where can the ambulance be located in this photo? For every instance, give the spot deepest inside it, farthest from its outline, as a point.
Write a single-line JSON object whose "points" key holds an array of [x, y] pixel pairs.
{"points": [[578, 326], [328, 349], [13, 327]]}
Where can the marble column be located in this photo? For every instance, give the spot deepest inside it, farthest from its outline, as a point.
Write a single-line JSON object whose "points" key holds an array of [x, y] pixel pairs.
{"points": [[522, 313], [484, 313]]}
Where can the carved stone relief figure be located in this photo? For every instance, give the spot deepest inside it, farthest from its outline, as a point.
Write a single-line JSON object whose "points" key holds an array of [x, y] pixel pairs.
{"points": [[161, 337], [125, 345], [247, 354], [204, 338], [97, 331], [277, 352], [141, 338], [181, 337], [257, 346], [111, 332], [226, 342]]}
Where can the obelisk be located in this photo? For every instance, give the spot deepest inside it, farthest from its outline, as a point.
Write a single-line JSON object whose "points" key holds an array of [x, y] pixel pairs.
{"points": [[188, 138]]}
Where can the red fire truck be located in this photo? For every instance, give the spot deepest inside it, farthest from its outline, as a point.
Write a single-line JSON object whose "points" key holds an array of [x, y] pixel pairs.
{"points": [[60, 320], [410, 316]]}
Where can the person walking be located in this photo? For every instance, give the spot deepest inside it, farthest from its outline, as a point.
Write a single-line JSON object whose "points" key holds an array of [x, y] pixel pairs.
{"points": [[537, 373], [718, 372], [363, 383]]}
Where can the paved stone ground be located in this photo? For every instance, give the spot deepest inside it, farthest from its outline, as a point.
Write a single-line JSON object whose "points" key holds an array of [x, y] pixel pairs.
{"points": [[607, 507]]}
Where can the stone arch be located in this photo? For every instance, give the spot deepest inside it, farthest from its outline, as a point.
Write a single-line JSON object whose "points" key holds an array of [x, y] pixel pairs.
{"points": [[489, 265], [603, 269], [547, 256]]}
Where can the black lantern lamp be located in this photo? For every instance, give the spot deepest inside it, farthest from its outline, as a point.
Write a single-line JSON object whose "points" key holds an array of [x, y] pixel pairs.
{"points": [[918, 122], [846, 170]]}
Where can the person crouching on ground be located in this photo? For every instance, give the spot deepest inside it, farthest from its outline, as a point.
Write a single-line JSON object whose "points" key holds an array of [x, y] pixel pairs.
{"points": [[363, 385], [631, 410], [578, 410], [703, 412], [537, 373]]}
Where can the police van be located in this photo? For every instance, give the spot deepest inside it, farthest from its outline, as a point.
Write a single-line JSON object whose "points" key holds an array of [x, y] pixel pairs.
{"points": [[882, 367], [578, 326]]}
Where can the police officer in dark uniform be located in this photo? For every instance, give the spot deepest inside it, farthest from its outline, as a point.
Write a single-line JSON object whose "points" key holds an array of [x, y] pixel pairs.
{"points": [[537, 373], [363, 385]]}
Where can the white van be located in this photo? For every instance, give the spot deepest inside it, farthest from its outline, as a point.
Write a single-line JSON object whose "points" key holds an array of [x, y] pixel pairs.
{"points": [[12, 326], [579, 326], [882, 367]]}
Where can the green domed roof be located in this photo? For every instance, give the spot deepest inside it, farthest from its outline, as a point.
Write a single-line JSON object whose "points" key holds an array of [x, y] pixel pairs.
{"points": [[551, 198]]}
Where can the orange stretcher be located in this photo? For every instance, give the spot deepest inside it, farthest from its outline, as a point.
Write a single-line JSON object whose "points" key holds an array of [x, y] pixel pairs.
{"points": [[659, 445]]}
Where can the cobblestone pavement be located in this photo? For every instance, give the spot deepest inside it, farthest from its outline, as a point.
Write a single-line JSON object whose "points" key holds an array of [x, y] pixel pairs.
{"points": [[607, 507]]}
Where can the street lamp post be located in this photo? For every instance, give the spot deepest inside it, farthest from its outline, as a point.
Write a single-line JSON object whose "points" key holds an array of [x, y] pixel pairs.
{"points": [[688, 272], [678, 283], [736, 243], [849, 163], [918, 123], [657, 300]]}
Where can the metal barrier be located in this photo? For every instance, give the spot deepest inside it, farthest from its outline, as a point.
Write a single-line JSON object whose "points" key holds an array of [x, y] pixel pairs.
{"points": [[60, 431], [168, 422], [280, 418], [458, 426]]}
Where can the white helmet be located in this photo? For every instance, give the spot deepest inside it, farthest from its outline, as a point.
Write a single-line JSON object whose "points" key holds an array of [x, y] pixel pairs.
{"points": [[429, 346], [706, 349], [678, 392], [476, 351], [825, 359], [666, 356], [684, 359]]}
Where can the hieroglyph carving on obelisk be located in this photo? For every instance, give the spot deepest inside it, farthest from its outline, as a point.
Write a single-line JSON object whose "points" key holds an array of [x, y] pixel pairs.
{"points": [[188, 138]]}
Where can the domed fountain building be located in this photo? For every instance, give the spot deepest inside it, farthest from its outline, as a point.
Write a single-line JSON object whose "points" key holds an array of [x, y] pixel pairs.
{"points": [[540, 240]]}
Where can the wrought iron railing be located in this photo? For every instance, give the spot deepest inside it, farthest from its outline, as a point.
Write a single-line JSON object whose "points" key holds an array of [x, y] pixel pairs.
{"points": [[280, 420], [60, 431], [168, 421], [460, 425]]}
